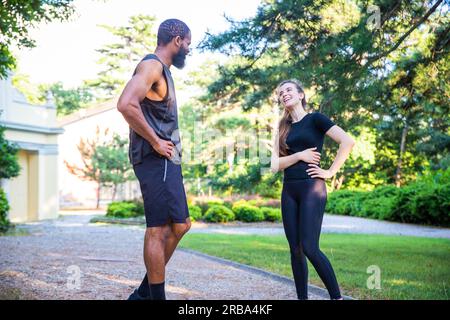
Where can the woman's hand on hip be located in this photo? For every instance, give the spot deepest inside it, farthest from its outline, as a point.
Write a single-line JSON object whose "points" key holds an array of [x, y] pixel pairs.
{"points": [[315, 172], [309, 156]]}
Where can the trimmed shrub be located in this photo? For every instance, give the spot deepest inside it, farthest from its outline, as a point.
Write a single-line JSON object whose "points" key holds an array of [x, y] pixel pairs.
{"points": [[121, 209], [380, 203], [205, 205], [242, 202], [248, 213], [139, 210], [336, 197], [271, 214], [4, 208], [195, 212], [425, 201], [219, 213]]}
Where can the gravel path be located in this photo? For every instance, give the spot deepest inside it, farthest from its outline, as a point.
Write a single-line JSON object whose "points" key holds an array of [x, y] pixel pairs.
{"points": [[39, 265], [331, 224]]}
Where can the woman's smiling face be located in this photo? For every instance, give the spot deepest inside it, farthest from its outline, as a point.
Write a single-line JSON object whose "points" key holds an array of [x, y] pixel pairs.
{"points": [[289, 96]]}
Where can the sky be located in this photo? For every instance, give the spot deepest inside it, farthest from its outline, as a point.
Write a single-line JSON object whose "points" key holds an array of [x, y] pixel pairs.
{"points": [[65, 51]]}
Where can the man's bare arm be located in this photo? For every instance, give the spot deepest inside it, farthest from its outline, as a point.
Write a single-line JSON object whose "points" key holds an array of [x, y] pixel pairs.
{"points": [[147, 73]]}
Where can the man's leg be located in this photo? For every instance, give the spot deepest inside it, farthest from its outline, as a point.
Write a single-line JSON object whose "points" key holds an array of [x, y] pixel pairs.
{"points": [[154, 260], [173, 234]]}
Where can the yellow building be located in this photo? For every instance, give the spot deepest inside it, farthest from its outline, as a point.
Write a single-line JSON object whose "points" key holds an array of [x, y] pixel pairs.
{"points": [[33, 195]]}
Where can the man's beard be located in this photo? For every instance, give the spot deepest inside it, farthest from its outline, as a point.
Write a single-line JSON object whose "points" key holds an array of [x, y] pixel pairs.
{"points": [[179, 59]]}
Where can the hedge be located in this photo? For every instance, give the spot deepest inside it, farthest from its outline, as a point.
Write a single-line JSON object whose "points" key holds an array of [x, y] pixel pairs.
{"points": [[125, 209], [425, 201], [219, 213], [271, 214], [195, 212], [247, 213]]}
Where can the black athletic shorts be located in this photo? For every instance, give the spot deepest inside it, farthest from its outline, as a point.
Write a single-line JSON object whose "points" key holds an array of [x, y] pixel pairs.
{"points": [[162, 188]]}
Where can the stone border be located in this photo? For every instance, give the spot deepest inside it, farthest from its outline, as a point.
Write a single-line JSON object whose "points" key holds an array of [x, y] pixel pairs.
{"points": [[125, 221], [323, 293]]}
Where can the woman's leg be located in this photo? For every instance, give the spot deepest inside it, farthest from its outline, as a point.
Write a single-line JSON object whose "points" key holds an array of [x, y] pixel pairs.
{"points": [[289, 209], [313, 197]]}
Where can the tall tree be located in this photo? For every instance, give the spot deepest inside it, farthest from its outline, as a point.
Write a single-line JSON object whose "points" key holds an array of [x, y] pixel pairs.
{"points": [[364, 65], [67, 100], [120, 57], [16, 19]]}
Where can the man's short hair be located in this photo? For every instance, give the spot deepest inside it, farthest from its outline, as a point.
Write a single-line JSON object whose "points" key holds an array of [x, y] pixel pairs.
{"points": [[170, 29]]}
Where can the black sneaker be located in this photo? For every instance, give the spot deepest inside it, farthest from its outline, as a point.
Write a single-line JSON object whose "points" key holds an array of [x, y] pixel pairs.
{"points": [[136, 296]]}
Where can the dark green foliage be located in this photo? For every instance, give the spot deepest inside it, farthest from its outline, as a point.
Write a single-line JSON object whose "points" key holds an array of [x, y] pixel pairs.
{"points": [[248, 213], [425, 201], [271, 214], [219, 213], [17, 17], [125, 209], [195, 212], [205, 205], [4, 208], [9, 166]]}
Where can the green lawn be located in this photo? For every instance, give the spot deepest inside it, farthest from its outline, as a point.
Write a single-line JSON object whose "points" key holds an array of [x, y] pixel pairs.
{"points": [[411, 267]]}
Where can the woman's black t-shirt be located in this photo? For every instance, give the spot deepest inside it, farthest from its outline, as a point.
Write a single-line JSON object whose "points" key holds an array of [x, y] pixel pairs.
{"points": [[307, 133]]}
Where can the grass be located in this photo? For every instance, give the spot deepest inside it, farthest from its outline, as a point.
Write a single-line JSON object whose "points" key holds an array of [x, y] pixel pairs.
{"points": [[411, 267]]}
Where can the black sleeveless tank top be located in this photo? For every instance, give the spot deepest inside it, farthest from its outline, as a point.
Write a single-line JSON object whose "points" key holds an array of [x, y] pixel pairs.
{"points": [[162, 116]]}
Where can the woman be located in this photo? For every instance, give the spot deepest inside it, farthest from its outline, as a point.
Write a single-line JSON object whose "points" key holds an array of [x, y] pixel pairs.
{"points": [[297, 148]]}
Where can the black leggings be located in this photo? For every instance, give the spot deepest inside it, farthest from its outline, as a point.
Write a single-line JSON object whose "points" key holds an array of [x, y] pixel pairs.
{"points": [[302, 206]]}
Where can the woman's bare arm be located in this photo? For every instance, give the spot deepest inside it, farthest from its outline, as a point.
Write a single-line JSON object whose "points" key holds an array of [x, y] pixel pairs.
{"points": [[346, 144], [278, 163]]}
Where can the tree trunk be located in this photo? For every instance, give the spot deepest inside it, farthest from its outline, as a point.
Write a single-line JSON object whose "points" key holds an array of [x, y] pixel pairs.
{"points": [[398, 172], [114, 192], [98, 195]]}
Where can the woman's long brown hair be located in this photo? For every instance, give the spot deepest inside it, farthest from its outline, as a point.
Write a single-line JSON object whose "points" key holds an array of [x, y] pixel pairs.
{"points": [[286, 119]]}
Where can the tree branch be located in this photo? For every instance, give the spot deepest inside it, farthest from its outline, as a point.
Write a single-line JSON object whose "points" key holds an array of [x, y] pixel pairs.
{"points": [[402, 38]]}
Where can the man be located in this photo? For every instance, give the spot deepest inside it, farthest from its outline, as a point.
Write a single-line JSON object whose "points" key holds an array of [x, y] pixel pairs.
{"points": [[148, 104]]}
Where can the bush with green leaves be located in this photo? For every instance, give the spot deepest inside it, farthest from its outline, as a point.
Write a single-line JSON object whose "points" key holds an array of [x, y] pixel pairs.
{"points": [[195, 212], [122, 209], [206, 204], [379, 203], [248, 213], [271, 214], [4, 208], [139, 210], [219, 213], [425, 201]]}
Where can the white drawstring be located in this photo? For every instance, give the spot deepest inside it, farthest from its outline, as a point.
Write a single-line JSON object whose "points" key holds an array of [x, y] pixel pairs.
{"points": [[165, 169]]}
